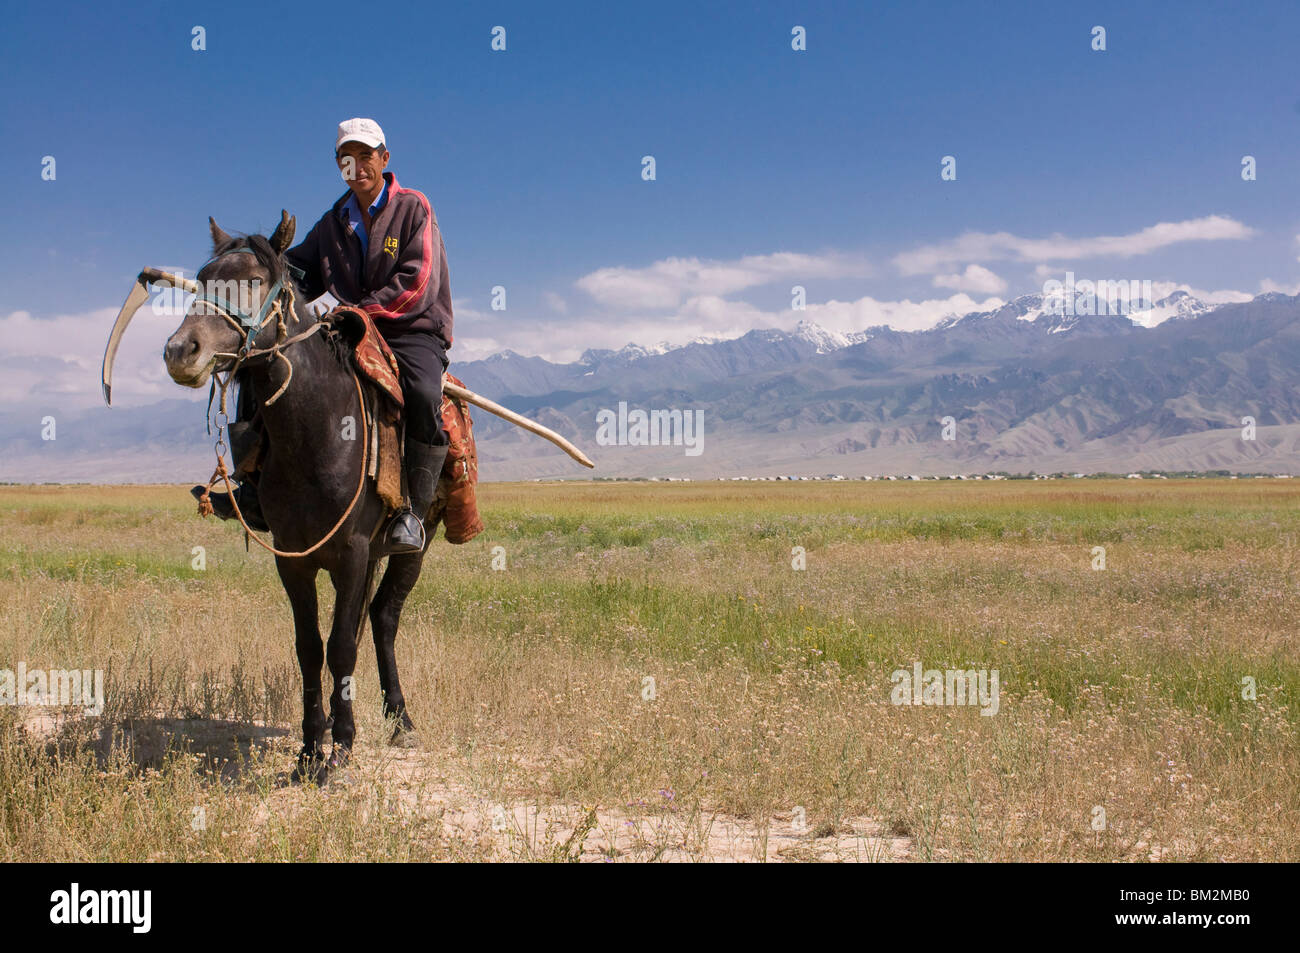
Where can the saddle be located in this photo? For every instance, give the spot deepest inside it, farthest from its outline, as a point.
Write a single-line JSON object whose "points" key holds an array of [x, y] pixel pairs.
{"points": [[455, 502]]}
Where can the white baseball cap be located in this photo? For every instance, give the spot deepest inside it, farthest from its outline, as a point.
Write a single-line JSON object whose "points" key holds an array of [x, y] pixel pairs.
{"points": [[365, 131]]}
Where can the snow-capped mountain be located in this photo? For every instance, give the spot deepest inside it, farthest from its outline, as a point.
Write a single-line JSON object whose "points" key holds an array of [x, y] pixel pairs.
{"points": [[1179, 306], [824, 340], [1063, 309], [635, 352], [1064, 312], [1055, 312]]}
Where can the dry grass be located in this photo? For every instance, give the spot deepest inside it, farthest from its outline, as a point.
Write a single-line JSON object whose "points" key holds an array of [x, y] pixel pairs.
{"points": [[1121, 689]]}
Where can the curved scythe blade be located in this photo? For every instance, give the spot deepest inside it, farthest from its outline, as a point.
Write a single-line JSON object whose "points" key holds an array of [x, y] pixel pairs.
{"points": [[139, 294]]}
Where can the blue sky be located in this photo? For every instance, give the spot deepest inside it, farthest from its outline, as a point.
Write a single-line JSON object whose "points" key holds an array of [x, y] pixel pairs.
{"points": [[774, 167]]}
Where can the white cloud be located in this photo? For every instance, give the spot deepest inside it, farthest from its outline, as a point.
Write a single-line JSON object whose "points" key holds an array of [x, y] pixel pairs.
{"points": [[61, 356], [565, 340], [974, 278], [905, 315], [1268, 284], [667, 283], [710, 316], [476, 348], [1163, 289], [1003, 246]]}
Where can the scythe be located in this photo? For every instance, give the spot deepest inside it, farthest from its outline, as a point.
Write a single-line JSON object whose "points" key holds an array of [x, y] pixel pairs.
{"points": [[140, 294]]}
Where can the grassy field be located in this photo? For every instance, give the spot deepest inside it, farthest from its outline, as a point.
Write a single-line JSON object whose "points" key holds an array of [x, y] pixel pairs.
{"points": [[770, 722]]}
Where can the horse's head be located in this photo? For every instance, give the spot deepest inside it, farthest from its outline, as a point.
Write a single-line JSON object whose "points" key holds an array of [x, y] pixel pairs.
{"points": [[238, 288]]}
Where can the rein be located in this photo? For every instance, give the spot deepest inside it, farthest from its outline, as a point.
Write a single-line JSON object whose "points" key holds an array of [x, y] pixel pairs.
{"points": [[250, 326]]}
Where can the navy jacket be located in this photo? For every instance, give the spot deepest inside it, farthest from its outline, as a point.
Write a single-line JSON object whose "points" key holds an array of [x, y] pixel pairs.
{"points": [[402, 281]]}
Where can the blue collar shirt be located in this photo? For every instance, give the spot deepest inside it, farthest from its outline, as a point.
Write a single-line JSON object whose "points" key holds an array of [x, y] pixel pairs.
{"points": [[351, 213]]}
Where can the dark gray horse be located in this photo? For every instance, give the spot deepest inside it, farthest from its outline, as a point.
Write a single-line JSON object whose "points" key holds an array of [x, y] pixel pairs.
{"points": [[310, 475]]}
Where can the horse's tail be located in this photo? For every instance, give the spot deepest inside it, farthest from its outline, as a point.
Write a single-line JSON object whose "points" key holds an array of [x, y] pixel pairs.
{"points": [[370, 595]]}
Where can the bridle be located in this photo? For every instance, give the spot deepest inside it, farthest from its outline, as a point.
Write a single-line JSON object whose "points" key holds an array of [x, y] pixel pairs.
{"points": [[278, 302]]}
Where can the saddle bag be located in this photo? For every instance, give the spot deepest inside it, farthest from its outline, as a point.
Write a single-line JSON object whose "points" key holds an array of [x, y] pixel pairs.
{"points": [[458, 482]]}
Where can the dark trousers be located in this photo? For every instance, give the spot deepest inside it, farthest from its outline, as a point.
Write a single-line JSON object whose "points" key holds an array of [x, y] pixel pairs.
{"points": [[421, 359]]}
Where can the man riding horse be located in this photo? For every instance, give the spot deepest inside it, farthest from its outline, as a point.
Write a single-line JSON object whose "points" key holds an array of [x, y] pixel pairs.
{"points": [[379, 249], [379, 252]]}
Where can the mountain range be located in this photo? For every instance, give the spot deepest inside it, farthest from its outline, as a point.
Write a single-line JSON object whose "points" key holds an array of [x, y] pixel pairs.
{"points": [[1038, 384], [1032, 385]]}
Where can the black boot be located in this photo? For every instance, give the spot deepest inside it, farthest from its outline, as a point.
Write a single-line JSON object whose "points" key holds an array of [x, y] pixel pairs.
{"points": [[405, 531], [245, 496]]}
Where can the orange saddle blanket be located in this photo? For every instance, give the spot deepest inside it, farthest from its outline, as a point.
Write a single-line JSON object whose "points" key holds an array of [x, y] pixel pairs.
{"points": [[373, 358]]}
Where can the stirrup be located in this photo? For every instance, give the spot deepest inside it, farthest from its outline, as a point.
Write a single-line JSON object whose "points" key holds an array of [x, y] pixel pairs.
{"points": [[403, 534]]}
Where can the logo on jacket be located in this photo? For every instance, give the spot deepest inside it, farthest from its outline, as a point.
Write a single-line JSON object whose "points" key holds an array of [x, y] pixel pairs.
{"points": [[390, 246]]}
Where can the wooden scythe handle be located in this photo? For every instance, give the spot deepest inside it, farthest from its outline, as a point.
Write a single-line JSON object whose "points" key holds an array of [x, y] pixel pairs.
{"points": [[519, 420]]}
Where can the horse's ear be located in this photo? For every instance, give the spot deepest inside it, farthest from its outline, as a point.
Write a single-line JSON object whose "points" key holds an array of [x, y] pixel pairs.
{"points": [[282, 237], [219, 237]]}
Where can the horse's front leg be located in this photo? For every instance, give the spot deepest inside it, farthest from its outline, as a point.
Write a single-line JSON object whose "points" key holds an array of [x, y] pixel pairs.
{"points": [[299, 580], [351, 582]]}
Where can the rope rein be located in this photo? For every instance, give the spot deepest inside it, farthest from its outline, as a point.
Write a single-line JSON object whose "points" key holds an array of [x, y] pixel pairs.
{"points": [[245, 353]]}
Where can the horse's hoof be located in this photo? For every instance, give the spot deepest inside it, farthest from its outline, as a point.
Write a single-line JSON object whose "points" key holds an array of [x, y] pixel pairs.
{"points": [[309, 774], [310, 769], [336, 770], [404, 738]]}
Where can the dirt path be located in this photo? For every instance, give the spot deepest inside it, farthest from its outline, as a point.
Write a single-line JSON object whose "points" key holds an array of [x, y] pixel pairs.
{"points": [[438, 785], [663, 833]]}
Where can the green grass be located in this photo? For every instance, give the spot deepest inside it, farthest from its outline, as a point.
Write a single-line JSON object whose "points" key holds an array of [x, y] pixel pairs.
{"points": [[1120, 687]]}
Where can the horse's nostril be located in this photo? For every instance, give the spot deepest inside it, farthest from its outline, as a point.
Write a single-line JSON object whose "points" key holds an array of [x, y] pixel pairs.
{"points": [[180, 349]]}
